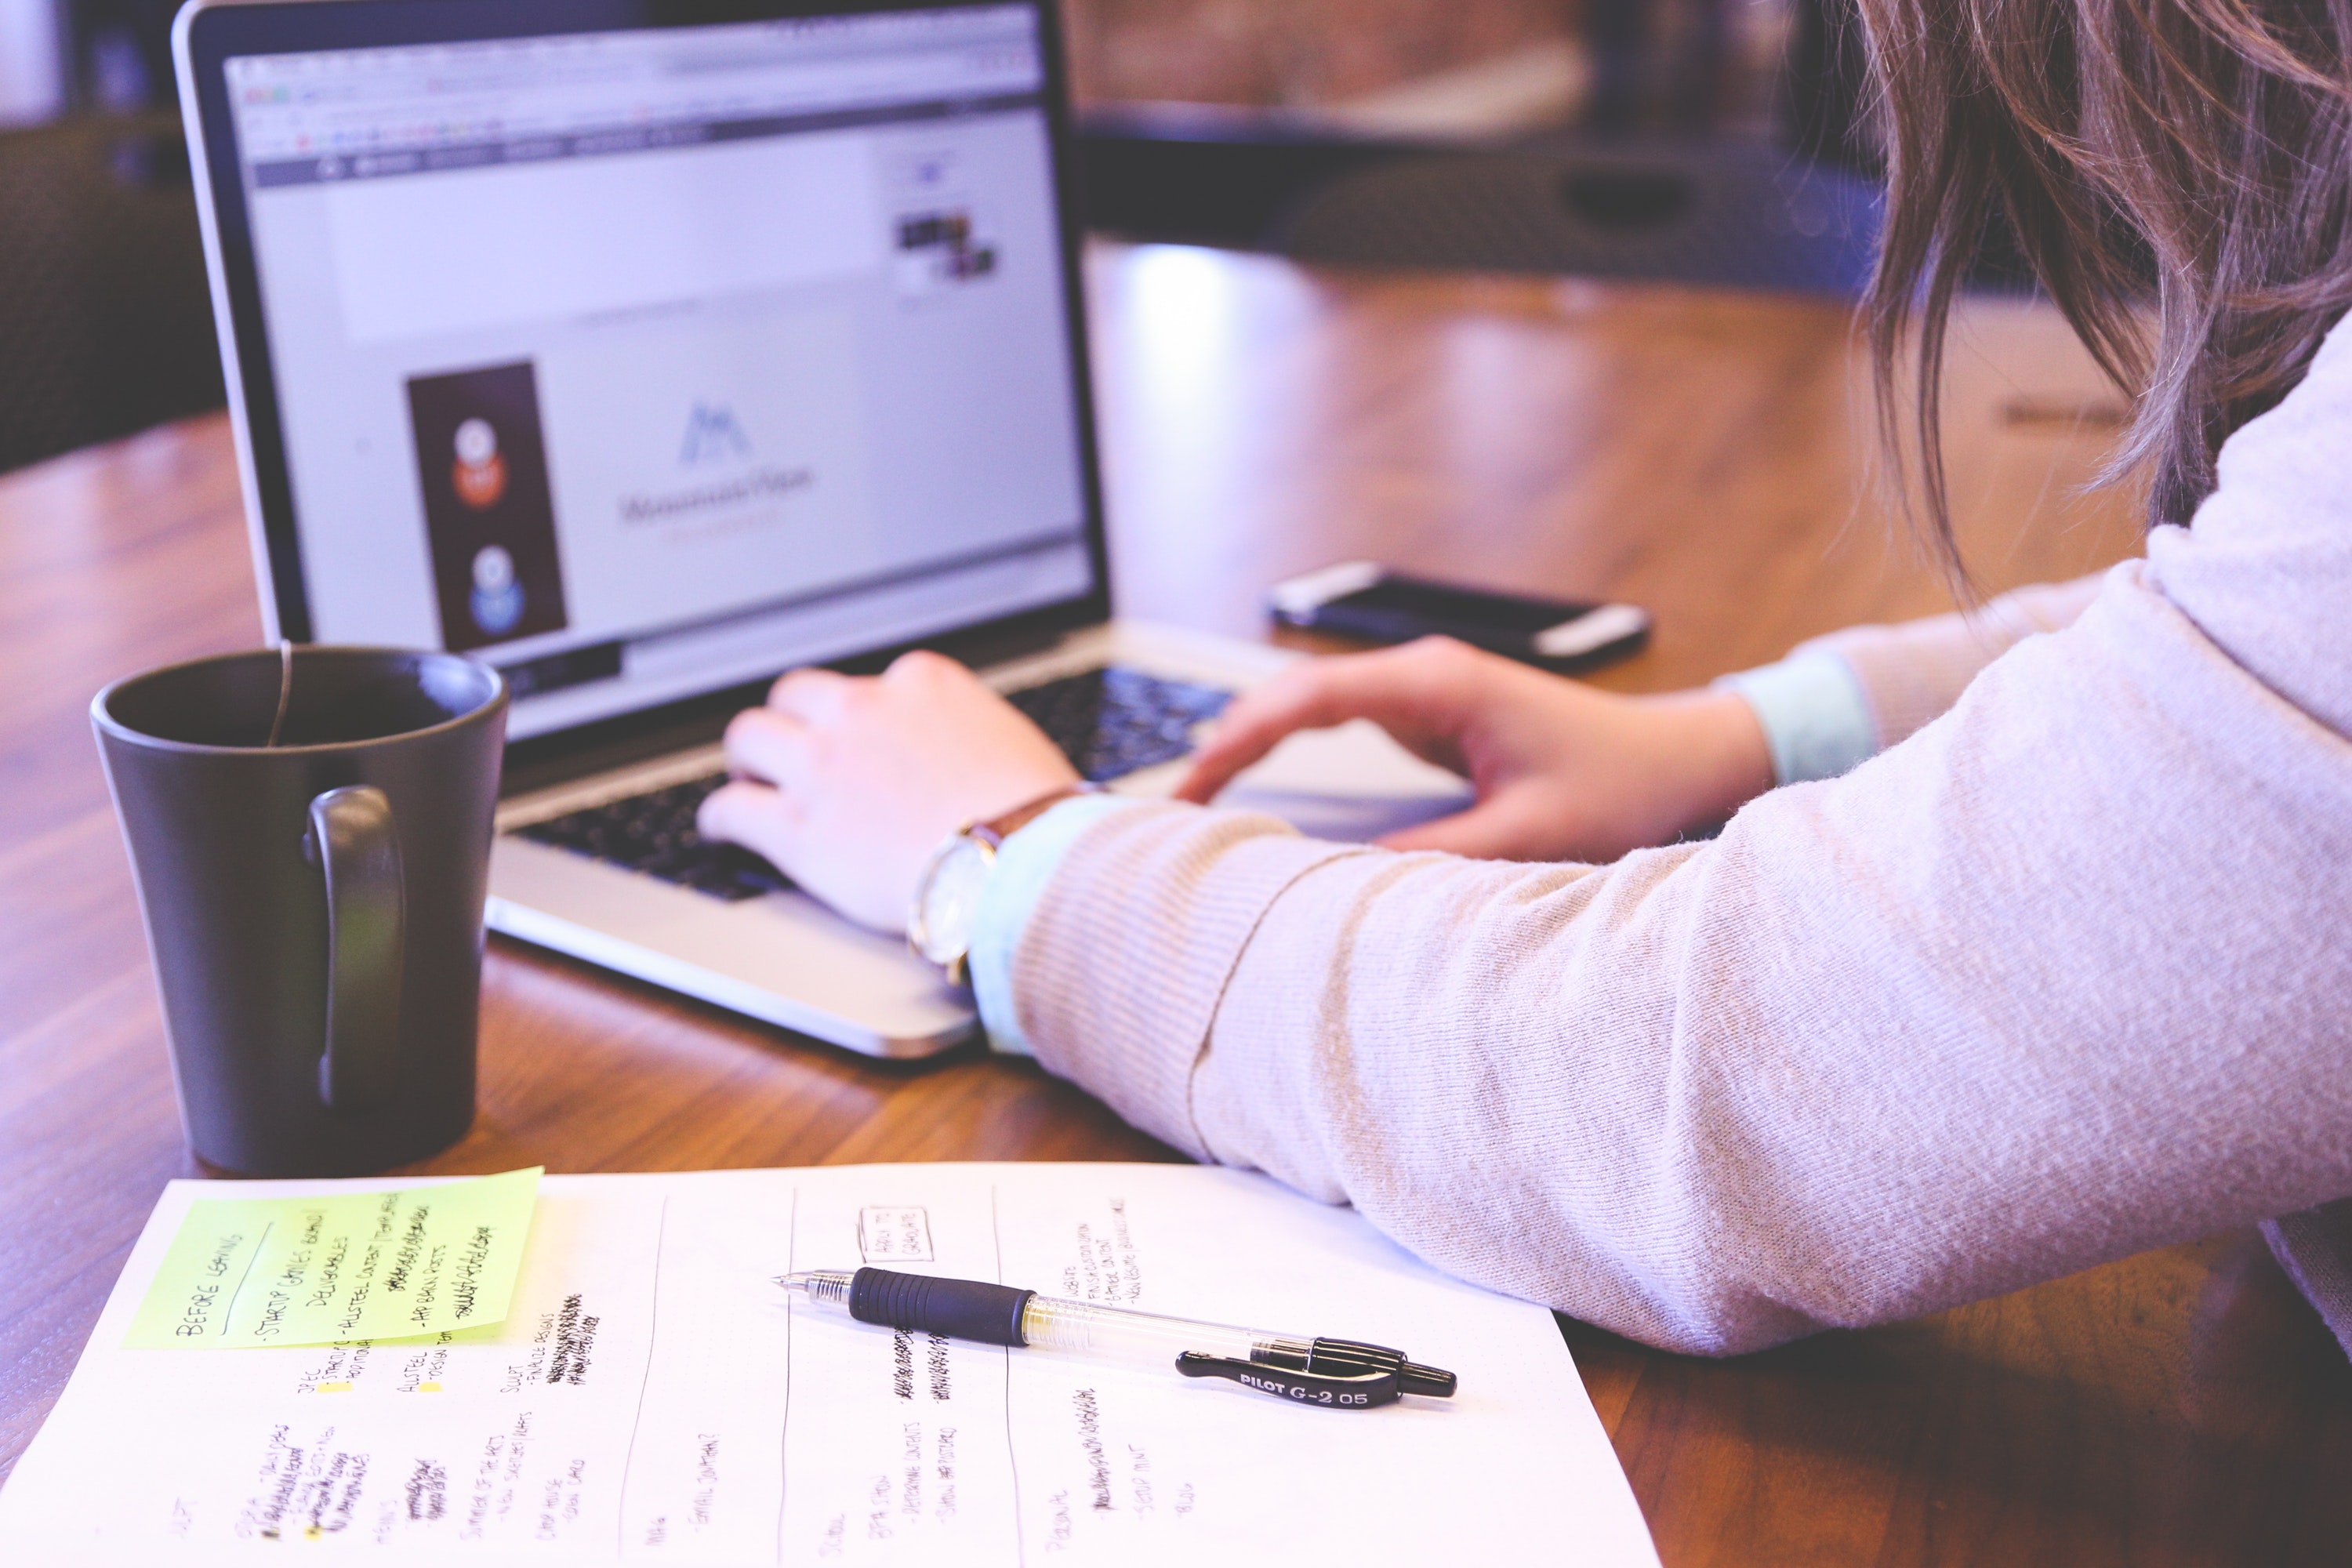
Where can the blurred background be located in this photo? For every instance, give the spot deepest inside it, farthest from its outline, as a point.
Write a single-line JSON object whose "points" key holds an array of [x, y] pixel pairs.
{"points": [[1705, 140], [1444, 68]]}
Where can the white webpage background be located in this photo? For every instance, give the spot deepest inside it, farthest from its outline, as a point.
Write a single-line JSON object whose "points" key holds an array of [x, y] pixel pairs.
{"points": [[709, 1422], [966, 394], [436, 255]]}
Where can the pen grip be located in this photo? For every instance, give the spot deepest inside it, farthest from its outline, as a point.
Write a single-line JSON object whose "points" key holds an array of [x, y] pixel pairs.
{"points": [[960, 1308]]}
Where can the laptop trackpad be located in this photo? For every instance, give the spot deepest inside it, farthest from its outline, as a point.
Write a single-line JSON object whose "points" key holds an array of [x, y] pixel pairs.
{"points": [[1350, 782]]}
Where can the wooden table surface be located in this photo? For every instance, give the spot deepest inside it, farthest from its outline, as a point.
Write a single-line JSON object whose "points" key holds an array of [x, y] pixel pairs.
{"points": [[1702, 454]]}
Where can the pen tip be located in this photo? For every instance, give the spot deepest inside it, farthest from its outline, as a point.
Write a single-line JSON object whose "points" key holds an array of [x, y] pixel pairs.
{"points": [[820, 1286]]}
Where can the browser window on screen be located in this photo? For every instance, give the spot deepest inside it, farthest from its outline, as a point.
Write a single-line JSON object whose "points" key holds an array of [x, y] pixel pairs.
{"points": [[643, 362]]}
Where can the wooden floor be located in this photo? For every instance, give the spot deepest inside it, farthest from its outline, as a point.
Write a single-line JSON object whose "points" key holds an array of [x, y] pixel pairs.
{"points": [[1697, 452]]}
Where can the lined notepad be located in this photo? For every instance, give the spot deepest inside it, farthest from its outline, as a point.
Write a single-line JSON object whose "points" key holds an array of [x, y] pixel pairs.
{"points": [[651, 1395]]}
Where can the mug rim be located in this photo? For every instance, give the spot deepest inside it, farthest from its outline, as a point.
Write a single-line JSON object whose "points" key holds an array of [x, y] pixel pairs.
{"points": [[108, 724]]}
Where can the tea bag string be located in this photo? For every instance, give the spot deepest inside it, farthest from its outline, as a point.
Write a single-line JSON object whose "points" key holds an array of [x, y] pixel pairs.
{"points": [[285, 688]]}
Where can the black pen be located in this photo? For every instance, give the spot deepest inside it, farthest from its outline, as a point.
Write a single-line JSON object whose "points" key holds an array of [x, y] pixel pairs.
{"points": [[1334, 1374]]}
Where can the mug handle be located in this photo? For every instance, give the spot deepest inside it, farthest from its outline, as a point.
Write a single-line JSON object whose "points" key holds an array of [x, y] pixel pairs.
{"points": [[354, 842]]}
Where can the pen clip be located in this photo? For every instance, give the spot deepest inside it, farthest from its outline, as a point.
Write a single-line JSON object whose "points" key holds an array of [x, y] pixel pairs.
{"points": [[1325, 1391]]}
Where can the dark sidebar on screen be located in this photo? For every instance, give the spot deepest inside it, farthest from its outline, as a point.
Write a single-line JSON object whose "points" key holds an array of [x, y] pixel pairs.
{"points": [[482, 462]]}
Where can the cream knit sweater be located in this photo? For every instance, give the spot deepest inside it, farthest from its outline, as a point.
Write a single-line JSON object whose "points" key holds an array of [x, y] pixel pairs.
{"points": [[2063, 975]]}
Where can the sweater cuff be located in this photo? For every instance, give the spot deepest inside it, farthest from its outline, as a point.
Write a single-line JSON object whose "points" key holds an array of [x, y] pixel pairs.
{"points": [[1815, 714], [1025, 863]]}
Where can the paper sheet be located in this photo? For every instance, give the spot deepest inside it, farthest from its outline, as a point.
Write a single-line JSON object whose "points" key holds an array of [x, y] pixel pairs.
{"points": [[245, 1272], [652, 1396]]}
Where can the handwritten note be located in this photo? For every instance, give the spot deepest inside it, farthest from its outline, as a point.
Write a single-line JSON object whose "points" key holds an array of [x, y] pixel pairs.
{"points": [[653, 1396], [888, 1236], [339, 1266]]}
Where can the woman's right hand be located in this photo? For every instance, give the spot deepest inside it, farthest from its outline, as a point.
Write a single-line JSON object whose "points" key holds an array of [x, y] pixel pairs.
{"points": [[1563, 771]]}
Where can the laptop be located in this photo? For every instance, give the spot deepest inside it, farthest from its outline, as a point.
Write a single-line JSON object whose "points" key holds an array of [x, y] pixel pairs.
{"points": [[646, 349]]}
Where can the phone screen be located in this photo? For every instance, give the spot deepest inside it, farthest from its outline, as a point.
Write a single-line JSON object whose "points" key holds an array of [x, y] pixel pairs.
{"points": [[1442, 608], [1359, 599]]}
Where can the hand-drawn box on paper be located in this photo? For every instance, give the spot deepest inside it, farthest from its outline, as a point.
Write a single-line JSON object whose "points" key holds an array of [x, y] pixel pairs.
{"points": [[894, 1234]]}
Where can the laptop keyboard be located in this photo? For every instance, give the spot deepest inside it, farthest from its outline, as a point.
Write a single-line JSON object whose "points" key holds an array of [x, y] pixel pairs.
{"points": [[1112, 723], [1108, 722], [654, 833]]}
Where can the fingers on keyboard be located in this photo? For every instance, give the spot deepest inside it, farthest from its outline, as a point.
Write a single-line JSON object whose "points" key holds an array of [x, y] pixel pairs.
{"points": [[1108, 722]]}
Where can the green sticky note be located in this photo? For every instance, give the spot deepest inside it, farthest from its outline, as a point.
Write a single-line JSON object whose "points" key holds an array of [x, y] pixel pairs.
{"points": [[247, 1272]]}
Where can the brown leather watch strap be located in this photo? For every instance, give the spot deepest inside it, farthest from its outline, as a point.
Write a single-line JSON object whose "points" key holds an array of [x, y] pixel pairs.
{"points": [[1003, 827]]}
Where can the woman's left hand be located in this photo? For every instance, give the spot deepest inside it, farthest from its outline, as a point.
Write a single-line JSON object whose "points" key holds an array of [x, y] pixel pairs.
{"points": [[848, 783]]}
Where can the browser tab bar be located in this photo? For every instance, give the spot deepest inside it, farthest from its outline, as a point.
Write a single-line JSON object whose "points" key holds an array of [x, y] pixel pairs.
{"points": [[652, 84]]}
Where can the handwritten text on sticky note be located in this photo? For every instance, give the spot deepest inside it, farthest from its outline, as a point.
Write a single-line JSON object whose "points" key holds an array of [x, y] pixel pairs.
{"points": [[247, 1272]]}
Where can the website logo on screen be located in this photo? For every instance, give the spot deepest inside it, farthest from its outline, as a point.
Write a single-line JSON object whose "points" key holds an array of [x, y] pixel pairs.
{"points": [[713, 435]]}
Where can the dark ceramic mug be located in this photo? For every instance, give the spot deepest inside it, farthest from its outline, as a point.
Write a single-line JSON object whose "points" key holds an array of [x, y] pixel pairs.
{"points": [[309, 832]]}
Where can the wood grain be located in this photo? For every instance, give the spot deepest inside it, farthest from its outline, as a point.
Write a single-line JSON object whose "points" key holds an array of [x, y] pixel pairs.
{"points": [[1700, 454]]}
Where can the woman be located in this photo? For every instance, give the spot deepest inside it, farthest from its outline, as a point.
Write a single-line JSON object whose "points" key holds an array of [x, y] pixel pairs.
{"points": [[2057, 974]]}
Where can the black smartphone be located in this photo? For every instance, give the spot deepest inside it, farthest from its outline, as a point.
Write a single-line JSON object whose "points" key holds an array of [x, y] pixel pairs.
{"points": [[1361, 599]]}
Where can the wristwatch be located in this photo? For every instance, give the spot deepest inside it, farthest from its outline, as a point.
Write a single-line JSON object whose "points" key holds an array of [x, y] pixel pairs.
{"points": [[947, 895]]}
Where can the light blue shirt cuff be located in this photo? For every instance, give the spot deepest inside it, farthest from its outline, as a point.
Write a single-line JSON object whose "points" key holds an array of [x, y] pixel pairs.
{"points": [[1815, 717], [1025, 863]]}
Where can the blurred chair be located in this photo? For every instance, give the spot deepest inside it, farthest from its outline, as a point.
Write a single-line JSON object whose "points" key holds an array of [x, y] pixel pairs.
{"points": [[1726, 213], [105, 320]]}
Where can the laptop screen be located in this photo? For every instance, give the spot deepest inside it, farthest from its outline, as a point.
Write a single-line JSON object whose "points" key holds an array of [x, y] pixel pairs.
{"points": [[643, 362]]}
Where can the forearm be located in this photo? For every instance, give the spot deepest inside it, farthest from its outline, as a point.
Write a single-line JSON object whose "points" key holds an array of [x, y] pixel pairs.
{"points": [[1909, 673], [1892, 1042], [1838, 700]]}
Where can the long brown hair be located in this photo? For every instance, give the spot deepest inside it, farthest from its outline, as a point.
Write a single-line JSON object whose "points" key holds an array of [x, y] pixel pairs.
{"points": [[2178, 172]]}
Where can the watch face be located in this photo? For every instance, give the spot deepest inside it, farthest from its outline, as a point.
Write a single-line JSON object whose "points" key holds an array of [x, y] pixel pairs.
{"points": [[950, 898]]}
